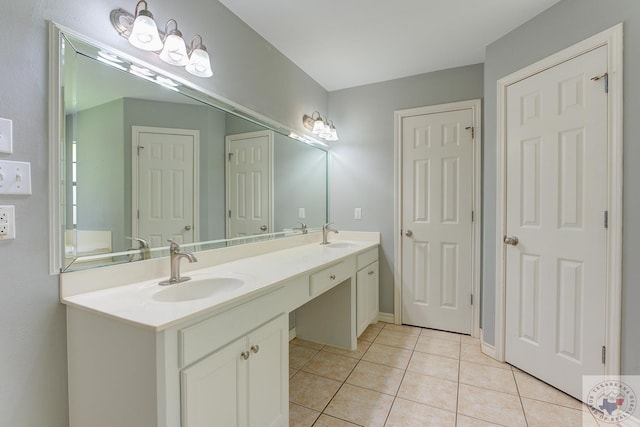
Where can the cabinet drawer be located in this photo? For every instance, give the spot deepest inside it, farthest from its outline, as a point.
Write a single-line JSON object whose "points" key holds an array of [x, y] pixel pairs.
{"points": [[205, 337], [367, 258], [329, 277]]}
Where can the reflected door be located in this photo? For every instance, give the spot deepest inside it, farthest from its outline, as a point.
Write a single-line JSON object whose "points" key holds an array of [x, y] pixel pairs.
{"points": [[437, 201], [556, 176], [249, 184], [165, 190]]}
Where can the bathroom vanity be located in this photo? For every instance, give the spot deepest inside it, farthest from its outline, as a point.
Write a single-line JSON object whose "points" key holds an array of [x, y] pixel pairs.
{"points": [[212, 350]]}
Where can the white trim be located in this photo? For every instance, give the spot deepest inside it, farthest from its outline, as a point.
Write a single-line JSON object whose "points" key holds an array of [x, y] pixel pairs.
{"points": [[135, 131], [246, 135], [386, 317], [612, 38], [292, 334], [485, 347], [475, 106]]}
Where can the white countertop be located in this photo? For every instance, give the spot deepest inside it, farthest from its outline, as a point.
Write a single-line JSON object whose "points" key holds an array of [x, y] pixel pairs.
{"points": [[135, 302]]}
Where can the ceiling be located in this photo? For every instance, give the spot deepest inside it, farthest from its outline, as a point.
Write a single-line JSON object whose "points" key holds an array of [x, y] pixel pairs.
{"points": [[347, 43]]}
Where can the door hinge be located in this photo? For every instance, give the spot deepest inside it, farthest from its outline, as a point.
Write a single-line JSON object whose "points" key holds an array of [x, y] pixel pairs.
{"points": [[606, 219], [138, 214], [471, 299], [473, 131], [604, 355], [230, 154], [473, 215], [229, 213], [604, 76], [140, 147]]}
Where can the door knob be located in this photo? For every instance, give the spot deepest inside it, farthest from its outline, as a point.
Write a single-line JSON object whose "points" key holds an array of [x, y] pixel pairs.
{"points": [[263, 227], [408, 233], [245, 355], [255, 348], [187, 227], [510, 240]]}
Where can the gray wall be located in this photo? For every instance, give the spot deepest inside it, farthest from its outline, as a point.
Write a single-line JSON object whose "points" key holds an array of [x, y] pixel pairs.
{"points": [[362, 161], [561, 26], [248, 70]]}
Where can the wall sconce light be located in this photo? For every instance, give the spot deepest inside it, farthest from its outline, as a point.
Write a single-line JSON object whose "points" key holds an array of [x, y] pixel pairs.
{"points": [[319, 126], [141, 31]]}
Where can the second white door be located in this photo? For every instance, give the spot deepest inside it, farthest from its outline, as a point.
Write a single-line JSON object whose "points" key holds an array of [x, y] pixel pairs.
{"points": [[437, 205]]}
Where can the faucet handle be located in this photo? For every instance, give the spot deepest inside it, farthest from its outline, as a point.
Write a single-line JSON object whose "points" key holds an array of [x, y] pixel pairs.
{"points": [[174, 247]]}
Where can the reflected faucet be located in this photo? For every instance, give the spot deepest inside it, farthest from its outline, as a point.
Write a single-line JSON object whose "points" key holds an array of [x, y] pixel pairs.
{"points": [[325, 232], [175, 257], [143, 247], [303, 227]]}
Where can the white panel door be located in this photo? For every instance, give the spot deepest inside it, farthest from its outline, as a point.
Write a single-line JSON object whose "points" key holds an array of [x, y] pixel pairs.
{"points": [[249, 184], [437, 204], [556, 181], [164, 184]]}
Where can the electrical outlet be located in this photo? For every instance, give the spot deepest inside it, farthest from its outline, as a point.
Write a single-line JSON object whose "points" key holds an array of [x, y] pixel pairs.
{"points": [[7, 222]]}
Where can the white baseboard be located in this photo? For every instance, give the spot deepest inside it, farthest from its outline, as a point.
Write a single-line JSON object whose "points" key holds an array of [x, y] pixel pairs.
{"points": [[486, 348], [385, 317], [292, 334]]}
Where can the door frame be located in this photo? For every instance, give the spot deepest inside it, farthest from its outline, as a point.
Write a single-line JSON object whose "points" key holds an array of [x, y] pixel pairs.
{"points": [[612, 38], [476, 107], [135, 131], [245, 135]]}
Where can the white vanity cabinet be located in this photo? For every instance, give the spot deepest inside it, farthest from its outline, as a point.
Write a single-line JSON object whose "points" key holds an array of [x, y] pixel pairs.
{"points": [[244, 384], [367, 290]]}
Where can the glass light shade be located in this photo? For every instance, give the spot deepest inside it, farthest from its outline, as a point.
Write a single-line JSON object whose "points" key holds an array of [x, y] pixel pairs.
{"points": [[326, 133], [199, 63], [318, 126], [174, 51], [333, 136], [144, 33]]}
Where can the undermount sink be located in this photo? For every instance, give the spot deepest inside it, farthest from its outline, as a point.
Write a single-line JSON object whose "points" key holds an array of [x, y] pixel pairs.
{"points": [[341, 245], [198, 289]]}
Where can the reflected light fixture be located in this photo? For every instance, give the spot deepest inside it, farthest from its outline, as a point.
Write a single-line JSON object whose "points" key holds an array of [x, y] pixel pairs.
{"points": [[319, 126], [174, 51], [199, 63], [144, 33]]}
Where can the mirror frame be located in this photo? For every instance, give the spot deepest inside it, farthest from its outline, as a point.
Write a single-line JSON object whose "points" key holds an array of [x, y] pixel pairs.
{"points": [[57, 34]]}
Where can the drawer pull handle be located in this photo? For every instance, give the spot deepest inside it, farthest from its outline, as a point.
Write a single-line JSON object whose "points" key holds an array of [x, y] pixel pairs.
{"points": [[370, 273], [255, 348], [332, 277], [245, 355]]}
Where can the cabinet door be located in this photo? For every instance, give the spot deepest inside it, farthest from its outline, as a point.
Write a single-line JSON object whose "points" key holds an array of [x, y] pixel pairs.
{"points": [[213, 390], [268, 392], [366, 296]]}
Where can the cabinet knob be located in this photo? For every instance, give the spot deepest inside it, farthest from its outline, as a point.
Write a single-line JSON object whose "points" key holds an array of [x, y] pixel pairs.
{"points": [[245, 355], [332, 277], [255, 348], [371, 273]]}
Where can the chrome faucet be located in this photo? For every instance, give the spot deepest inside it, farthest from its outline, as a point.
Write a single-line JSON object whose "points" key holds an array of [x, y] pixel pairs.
{"points": [[143, 247], [175, 257], [303, 228], [325, 232]]}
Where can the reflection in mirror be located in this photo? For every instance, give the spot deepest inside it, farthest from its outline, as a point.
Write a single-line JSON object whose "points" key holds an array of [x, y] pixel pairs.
{"points": [[145, 162]]}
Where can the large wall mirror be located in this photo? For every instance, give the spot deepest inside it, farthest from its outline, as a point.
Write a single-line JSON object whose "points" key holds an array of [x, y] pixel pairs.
{"points": [[145, 158]]}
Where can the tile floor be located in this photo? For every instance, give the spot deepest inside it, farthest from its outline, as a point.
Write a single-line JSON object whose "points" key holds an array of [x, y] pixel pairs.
{"points": [[405, 376]]}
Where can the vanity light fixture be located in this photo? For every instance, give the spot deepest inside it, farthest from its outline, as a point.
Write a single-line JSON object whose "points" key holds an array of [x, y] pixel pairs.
{"points": [[141, 31], [144, 33], [174, 51], [319, 126]]}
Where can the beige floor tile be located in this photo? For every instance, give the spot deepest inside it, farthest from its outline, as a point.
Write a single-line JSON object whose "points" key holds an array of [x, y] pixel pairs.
{"points": [[432, 391], [543, 414], [489, 405], [299, 355], [363, 346], [435, 366], [327, 421], [472, 353], [305, 343], [405, 329], [390, 356], [378, 325], [468, 339], [292, 372], [411, 414], [464, 421], [370, 333], [312, 391], [533, 388], [434, 333], [438, 347], [485, 376], [396, 339], [374, 376], [330, 365], [360, 406], [299, 416]]}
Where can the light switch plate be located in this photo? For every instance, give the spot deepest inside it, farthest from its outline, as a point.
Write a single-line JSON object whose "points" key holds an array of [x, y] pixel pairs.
{"points": [[301, 213], [6, 136], [15, 177], [357, 213], [7, 222]]}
